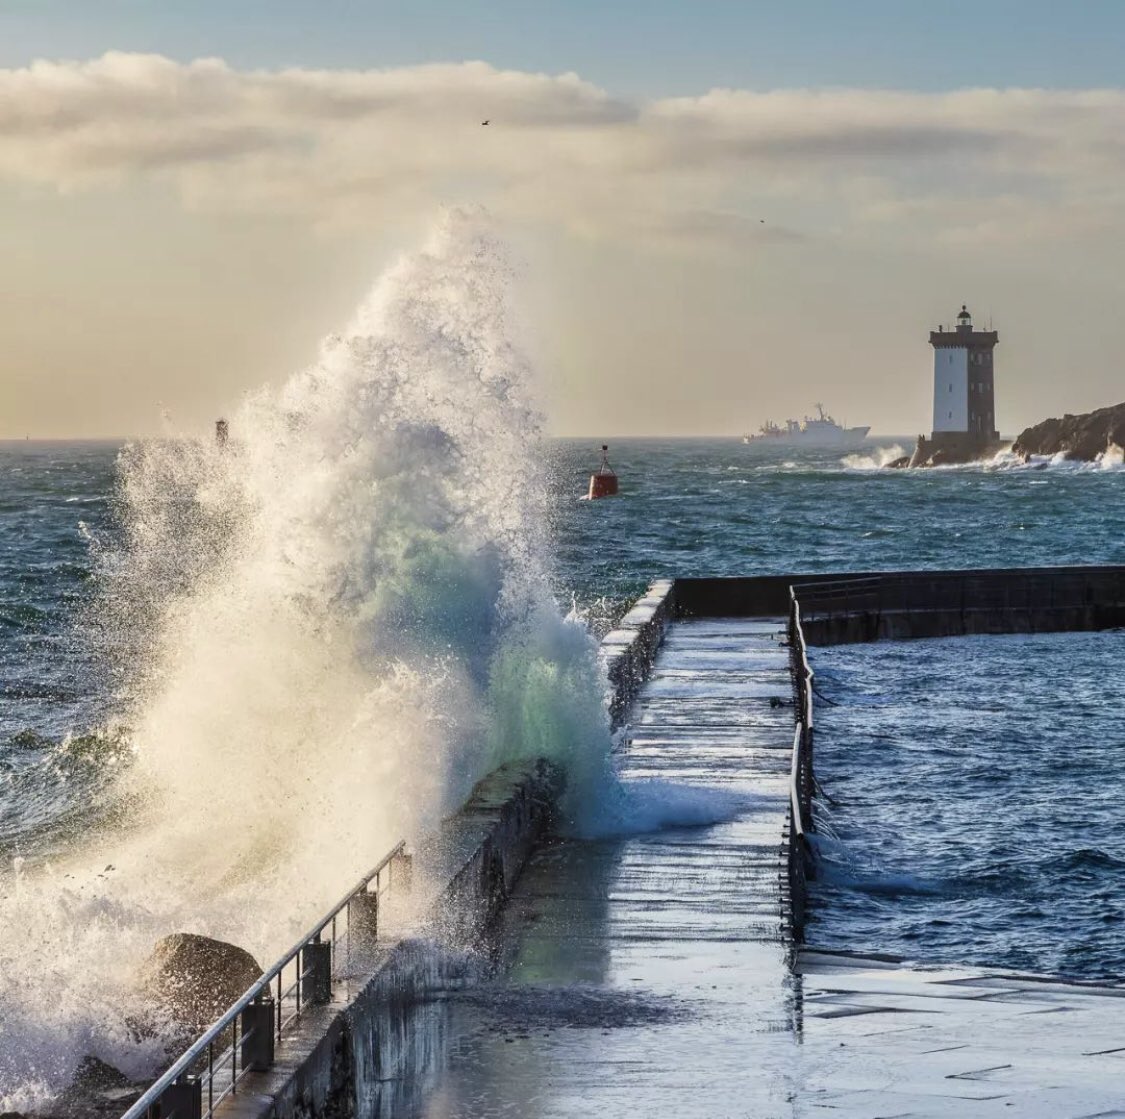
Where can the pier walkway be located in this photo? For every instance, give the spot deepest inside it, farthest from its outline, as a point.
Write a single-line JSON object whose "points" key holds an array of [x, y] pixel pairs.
{"points": [[652, 974], [655, 972], [649, 974]]}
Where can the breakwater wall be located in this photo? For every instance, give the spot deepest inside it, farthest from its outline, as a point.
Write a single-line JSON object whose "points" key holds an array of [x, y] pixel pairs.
{"points": [[408, 930], [628, 651], [871, 606], [467, 871], [343, 1053]]}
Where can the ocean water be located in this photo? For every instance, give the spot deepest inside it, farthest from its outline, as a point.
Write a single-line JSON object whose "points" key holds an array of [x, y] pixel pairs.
{"points": [[971, 808], [687, 506]]}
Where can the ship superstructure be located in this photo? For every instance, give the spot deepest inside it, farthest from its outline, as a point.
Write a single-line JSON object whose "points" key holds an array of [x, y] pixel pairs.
{"points": [[820, 430]]}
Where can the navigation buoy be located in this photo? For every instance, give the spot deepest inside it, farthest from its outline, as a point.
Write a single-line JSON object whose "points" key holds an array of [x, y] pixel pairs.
{"points": [[603, 482]]}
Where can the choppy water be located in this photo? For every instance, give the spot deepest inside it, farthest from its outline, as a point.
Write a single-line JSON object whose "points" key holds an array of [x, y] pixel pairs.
{"points": [[714, 507], [974, 811]]}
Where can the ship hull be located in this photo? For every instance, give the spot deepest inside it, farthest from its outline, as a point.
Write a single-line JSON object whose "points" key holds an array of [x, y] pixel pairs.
{"points": [[844, 437]]}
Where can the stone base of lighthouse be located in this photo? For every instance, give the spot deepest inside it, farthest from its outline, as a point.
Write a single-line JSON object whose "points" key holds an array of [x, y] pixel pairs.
{"points": [[952, 448]]}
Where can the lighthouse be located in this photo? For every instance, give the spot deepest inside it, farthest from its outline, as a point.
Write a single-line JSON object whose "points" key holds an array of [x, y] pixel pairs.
{"points": [[964, 396]]}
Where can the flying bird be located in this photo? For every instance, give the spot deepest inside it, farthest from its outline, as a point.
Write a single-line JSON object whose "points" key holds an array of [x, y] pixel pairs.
{"points": [[483, 122]]}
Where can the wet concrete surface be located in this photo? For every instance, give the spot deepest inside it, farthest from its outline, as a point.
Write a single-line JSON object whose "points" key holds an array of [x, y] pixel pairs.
{"points": [[649, 975]]}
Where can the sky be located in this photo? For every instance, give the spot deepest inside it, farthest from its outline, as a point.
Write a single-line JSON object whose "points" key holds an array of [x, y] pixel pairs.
{"points": [[725, 211]]}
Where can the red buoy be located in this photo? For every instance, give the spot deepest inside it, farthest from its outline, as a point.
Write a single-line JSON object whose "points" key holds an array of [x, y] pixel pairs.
{"points": [[603, 482]]}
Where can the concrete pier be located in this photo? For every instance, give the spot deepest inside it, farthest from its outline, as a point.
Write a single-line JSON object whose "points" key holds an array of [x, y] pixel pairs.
{"points": [[651, 972], [655, 972]]}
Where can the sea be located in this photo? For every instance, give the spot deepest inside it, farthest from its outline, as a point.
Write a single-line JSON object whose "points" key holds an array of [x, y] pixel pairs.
{"points": [[971, 804]]}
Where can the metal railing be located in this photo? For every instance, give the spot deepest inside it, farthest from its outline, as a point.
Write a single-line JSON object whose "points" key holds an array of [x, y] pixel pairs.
{"points": [[242, 1040], [799, 853]]}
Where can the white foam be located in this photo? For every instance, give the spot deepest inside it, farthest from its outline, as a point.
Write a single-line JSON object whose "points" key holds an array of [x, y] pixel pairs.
{"points": [[328, 630], [876, 460]]}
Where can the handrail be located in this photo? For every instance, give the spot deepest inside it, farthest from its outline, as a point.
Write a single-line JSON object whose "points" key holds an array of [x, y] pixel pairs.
{"points": [[184, 1064], [794, 794], [798, 850]]}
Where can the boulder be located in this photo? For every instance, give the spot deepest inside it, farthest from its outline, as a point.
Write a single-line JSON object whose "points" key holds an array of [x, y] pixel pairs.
{"points": [[1081, 437], [98, 1090], [194, 979]]}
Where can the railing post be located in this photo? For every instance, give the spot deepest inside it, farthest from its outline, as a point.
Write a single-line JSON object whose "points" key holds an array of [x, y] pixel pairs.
{"points": [[258, 1035], [402, 871], [363, 923], [183, 1100], [316, 966]]}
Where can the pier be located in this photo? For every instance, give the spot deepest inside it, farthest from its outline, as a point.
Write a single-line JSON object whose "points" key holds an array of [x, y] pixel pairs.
{"points": [[665, 970]]}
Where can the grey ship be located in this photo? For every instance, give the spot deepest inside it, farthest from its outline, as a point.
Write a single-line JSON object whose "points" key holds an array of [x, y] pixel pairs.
{"points": [[820, 430]]}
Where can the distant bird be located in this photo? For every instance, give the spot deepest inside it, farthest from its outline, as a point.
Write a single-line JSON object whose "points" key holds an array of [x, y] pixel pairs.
{"points": [[483, 123]]}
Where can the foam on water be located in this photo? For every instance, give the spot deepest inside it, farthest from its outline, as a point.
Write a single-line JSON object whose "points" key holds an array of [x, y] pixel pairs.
{"points": [[878, 458], [322, 634]]}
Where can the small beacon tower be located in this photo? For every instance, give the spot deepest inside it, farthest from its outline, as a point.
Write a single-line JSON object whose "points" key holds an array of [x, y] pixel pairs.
{"points": [[964, 396]]}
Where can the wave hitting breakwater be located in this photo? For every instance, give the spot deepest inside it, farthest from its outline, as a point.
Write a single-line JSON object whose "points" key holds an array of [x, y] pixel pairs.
{"points": [[320, 635]]}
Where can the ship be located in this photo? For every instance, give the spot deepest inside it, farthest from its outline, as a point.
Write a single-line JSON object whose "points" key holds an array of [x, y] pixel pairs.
{"points": [[820, 430]]}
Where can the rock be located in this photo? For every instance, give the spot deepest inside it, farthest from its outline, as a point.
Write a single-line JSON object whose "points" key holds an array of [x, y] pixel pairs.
{"points": [[194, 979], [94, 1075], [899, 463], [98, 1089], [1081, 437]]}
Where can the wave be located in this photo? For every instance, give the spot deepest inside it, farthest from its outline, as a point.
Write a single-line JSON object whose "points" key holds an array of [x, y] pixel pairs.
{"points": [[322, 634], [877, 459]]}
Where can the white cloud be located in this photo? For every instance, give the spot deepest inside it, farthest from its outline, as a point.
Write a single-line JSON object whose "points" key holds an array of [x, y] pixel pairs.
{"points": [[345, 147]]}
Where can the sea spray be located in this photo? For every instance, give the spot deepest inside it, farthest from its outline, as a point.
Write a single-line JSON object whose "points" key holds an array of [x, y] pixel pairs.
{"points": [[320, 635], [878, 458], [324, 632]]}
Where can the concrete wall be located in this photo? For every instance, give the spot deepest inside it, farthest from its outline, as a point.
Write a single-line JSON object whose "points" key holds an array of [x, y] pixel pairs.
{"points": [[627, 652], [331, 1063], [950, 604], [1021, 599]]}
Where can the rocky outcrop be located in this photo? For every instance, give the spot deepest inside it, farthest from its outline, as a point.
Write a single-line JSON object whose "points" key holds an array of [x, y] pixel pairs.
{"points": [[949, 448], [1082, 437], [194, 979]]}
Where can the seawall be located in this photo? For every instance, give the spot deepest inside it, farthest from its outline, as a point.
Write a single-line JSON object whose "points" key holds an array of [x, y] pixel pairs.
{"points": [[339, 1059], [336, 1054], [870, 606], [628, 651]]}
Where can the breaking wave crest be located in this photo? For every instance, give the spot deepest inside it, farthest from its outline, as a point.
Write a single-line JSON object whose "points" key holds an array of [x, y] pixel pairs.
{"points": [[878, 458], [323, 633]]}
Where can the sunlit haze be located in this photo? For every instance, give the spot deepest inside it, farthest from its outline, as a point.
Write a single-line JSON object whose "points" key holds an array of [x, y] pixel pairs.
{"points": [[722, 212]]}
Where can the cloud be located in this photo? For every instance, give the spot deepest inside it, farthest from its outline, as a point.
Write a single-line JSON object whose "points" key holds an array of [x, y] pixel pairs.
{"points": [[341, 147]]}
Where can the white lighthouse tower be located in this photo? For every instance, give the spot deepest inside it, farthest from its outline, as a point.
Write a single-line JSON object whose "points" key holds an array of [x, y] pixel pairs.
{"points": [[964, 394]]}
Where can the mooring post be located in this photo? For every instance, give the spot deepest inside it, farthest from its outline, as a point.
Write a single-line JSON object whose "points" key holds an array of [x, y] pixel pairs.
{"points": [[316, 967], [258, 1035], [183, 1100]]}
